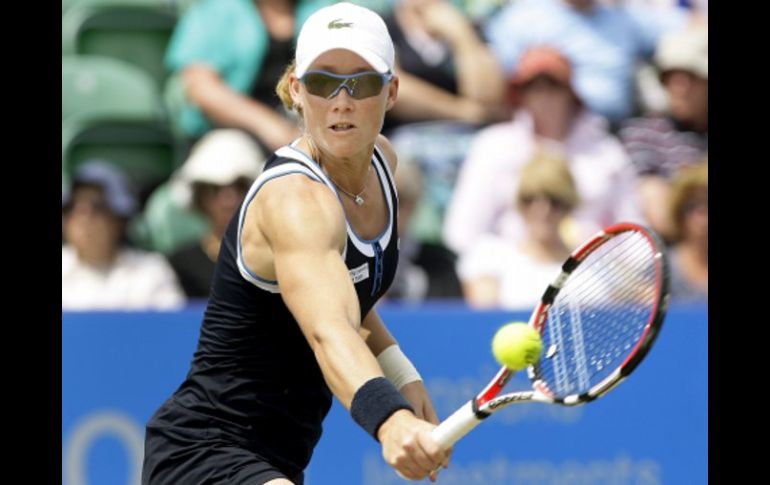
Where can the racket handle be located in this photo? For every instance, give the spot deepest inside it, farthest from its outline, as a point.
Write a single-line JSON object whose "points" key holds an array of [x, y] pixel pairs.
{"points": [[460, 423]]}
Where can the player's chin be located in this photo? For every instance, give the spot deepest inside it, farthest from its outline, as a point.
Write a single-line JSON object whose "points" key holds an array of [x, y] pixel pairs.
{"points": [[346, 145]]}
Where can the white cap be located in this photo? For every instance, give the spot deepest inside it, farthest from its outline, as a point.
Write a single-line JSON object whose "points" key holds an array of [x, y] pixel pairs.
{"points": [[219, 158], [345, 26], [686, 50]]}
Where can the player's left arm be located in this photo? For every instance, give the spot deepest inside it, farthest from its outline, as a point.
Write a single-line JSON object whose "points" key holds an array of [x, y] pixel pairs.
{"points": [[396, 366]]}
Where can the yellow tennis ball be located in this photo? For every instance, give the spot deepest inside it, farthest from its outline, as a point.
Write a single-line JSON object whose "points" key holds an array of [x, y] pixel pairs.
{"points": [[516, 345]]}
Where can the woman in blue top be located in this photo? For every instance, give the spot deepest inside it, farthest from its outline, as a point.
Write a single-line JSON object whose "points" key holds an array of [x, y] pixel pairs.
{"points": [[291, 318], [228, 56]]}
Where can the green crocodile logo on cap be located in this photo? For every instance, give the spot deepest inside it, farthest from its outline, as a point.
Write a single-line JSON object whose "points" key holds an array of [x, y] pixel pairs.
{"points": [[336, 24]]}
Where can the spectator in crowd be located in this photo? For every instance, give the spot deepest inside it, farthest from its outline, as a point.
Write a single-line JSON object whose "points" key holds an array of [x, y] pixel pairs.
{"points": [[551, 118], [447, 72], [450, 86], [230, 55], [99, 272], [700, 7], [497, 272], [420, 274], [411, 281], [215, 179], [659, 145], [603, 42], [689, 256]]}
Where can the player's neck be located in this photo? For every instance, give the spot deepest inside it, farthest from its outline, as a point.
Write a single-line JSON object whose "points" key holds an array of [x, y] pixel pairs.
{"points": [[349, 173]]}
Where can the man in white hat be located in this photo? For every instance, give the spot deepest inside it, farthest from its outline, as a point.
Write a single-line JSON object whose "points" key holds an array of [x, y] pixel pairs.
{"points": [[213, 181]]}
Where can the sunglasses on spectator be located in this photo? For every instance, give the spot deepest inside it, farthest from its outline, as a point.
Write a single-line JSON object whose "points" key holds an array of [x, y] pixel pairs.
{"points": [[359, 86], [556, 202], [695, 204], [241, 185]]}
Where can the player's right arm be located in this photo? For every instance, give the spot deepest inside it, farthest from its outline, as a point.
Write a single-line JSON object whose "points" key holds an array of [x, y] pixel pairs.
{"points": [[303, 224]]}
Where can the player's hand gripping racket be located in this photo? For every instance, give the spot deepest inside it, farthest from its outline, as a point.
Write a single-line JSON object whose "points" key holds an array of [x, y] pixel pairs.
{"points": [[598, 319]]}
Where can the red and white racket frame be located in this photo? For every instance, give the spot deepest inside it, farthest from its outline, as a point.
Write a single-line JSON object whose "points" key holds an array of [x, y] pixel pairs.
{"points": [[489, 400]]}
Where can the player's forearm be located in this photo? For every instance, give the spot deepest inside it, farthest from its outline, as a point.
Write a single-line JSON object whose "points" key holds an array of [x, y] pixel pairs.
{"points": [[375, 334], [318, 292], [346, 362]]}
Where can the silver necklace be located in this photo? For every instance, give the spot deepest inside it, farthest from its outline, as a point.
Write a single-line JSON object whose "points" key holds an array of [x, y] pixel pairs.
{"points": [[356, 197]]}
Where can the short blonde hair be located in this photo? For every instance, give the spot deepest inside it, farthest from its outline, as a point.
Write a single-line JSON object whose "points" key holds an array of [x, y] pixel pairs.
{"points": [[686, 183], [283, 92], [548, 174]]}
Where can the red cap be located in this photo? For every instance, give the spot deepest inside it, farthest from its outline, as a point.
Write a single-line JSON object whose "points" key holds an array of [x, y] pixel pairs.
{"points": [[542, 61]]}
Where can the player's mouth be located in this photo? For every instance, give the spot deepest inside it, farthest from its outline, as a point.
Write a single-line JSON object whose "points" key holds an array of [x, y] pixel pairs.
{"points": [[342, 127]]}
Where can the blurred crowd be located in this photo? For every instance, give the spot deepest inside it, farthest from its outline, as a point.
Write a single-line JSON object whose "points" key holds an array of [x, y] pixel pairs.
{"points": [[522, 127]]}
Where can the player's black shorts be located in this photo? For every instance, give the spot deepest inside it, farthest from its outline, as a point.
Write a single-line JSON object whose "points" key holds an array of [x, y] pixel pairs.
{"points": [[183, 447]]}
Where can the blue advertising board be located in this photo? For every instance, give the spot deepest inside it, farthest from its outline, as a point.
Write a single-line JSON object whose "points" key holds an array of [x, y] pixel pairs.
{"points": [[117, 368]]}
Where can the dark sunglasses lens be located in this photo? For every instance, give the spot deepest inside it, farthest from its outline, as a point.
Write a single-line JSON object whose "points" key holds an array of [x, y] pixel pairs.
{"points": [[366, 85], [555, 202], [320, 84], [558, 203], [360, 86]]}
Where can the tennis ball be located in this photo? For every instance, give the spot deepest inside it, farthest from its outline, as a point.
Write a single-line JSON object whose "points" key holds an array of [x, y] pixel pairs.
{"points": [[516, 345]]}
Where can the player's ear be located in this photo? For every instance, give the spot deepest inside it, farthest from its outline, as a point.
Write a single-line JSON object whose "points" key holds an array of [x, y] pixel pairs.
{"points": [[294, 89], [392, 92]]}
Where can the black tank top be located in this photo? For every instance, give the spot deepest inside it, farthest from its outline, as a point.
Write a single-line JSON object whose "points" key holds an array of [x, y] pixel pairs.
{"points": [[254, 375]]}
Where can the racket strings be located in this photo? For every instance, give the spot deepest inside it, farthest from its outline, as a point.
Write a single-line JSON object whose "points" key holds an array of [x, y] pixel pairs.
{"points": [[599, 315]]}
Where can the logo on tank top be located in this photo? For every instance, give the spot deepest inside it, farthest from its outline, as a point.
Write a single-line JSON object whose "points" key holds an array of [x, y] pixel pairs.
{"points": [[360, 273]]}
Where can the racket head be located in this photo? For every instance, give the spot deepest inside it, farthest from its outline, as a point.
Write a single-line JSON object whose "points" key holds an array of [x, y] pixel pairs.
{"points": [[601, 315]]}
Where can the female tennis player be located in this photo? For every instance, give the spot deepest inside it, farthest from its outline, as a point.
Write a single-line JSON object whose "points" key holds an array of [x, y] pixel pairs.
{"points": [[291, 319]]}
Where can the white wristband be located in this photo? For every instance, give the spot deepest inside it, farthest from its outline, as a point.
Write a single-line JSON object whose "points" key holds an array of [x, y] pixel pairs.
{"points": [[397, 367]]}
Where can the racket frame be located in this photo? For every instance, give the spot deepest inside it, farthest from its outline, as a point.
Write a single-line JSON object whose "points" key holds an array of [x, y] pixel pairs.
{"points": [[489, 400]]}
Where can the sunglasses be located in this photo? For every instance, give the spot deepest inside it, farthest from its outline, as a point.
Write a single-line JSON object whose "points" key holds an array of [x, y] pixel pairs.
{"points": [[694, 205], [241, 184], [555, 202], [359, 86]]}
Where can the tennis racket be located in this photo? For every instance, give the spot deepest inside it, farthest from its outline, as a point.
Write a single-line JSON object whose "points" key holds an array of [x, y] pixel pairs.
{"points": [[598, 320]]}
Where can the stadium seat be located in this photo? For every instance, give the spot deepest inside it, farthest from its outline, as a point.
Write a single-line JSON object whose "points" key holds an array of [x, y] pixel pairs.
{"points": [[145, 150], [96, 87], [136, 31], [66, 4], [164, 225]]}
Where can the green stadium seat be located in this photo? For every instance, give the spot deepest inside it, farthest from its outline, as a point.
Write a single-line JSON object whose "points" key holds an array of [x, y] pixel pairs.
{"points": [[164, 225], [136, 31], [96, 87], [66, 4], [145, 150]]}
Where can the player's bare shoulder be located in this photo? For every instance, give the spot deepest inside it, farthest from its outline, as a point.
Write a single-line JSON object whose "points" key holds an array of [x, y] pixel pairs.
{"points": [[294, 208]]}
